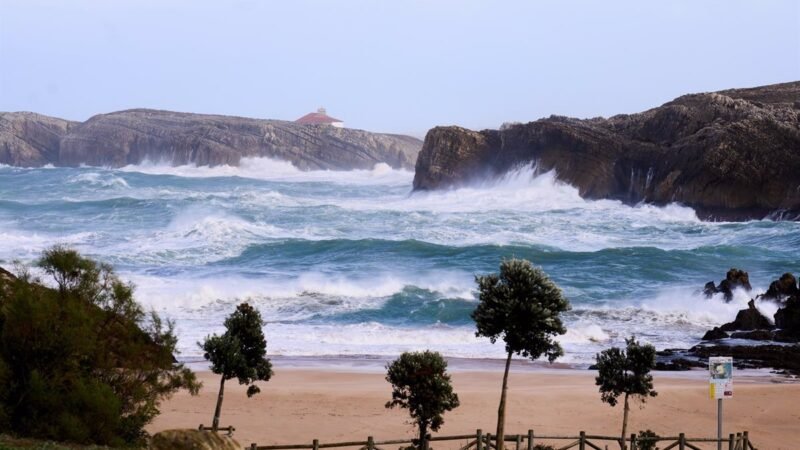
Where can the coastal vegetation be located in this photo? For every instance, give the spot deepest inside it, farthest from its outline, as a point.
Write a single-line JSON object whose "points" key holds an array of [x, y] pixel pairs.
{"points": [[421, 384], [626, 372], [521, 306], [239, 353], [82, 362]]}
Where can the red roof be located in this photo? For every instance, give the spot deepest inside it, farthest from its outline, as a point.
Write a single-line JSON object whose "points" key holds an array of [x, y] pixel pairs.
{"points": [[316, 118]]}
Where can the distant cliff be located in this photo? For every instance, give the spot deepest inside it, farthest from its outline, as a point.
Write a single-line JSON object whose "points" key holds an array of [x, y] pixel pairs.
{"points": [[731, 155], [130, 137]]}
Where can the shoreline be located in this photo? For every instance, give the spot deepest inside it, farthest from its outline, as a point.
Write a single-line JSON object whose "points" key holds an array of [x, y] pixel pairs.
{"points": [[342, 402], [368, 364]]}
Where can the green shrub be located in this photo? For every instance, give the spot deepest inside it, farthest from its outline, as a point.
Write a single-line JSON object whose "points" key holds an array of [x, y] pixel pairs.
{"points": [[82, 362], [647, 444]]}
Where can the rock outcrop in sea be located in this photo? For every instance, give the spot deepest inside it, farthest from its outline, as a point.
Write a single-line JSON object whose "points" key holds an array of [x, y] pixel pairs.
{"points": [[730, 155], [774, 344], [134, 136]]}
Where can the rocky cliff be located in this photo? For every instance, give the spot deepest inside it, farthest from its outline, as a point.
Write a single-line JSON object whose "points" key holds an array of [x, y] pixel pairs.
{"points": [[731, 155], [29, 139], [130, 137]]}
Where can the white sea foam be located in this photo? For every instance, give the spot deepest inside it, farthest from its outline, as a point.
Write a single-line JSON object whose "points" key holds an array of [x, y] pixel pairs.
{"points": [[261, 168], [99, 179], [195, 247], [293, 297]]}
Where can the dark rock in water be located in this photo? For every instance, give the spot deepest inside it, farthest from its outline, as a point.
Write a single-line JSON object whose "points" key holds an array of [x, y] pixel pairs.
{"points": [[734, 279], [715, 334], [755, 335], [785, 336], [754, 356], [710, 289], [679, 364], [729, 155], [788, 318], [133, 136], [785, 286], [748, 319]]}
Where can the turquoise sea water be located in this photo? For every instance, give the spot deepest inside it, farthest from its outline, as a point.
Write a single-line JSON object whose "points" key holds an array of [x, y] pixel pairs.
{"points": [[353, 263]]}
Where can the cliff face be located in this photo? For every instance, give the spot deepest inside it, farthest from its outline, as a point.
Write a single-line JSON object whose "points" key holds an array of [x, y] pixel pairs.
{"points": [[130, 137], [731, 155], [28, 139]]}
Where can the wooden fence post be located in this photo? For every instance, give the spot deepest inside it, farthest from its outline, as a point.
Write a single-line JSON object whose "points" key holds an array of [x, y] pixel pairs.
{"points": [[315, 444], [730, 441], [253, 446], [582, 441], [682, 441], [738, 441], [426, 443], [530, 439], [746, 443], [370, 443], [633, 441], [479, 439], [519, 441]]}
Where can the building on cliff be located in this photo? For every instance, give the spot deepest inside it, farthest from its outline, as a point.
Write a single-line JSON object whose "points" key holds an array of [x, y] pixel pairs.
{"points": [[320, 117]]}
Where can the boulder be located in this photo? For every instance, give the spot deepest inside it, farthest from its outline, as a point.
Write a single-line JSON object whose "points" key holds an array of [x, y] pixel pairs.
{"points": [[785, 286], [715, 334], [730, 155], [754, 335], [748, 319], [785, 357], [734, 279], [192, 440], [788, 318]]}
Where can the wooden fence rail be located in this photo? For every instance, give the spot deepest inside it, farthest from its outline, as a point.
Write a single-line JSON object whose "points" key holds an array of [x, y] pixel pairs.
{"points": [[481, 441]]}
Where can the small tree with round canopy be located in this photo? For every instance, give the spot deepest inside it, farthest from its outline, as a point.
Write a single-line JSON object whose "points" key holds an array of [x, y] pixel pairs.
{"points": [[626, 372], [523, 307], [239, 353], [421, 384]]}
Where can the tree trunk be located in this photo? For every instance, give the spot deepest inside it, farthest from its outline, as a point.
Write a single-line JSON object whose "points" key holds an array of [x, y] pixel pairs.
{"points": [[501, 411], [423, 432], [625, 422], [215, 423]]}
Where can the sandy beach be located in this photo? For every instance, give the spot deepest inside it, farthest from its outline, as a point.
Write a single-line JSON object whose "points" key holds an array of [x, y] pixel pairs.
{"points": [[342, 403]]}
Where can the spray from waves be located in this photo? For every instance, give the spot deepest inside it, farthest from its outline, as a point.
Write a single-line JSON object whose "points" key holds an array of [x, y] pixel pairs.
{"points": [[528, 189], [97, 179], [294, 297], [262, 168], [319, 314]]}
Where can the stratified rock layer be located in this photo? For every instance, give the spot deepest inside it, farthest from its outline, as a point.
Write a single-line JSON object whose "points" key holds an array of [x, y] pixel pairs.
{"points": [[731, 155], [134, 136], [29, 139]]}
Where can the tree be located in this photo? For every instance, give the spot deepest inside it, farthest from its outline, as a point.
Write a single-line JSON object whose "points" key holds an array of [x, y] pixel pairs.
{"points": [[521, 306], [84, 362], [626, 372], [421, 384], [239, 353]]}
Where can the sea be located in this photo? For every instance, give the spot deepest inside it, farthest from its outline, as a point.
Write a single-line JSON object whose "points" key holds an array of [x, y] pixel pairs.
{"points": [[354, 264]]}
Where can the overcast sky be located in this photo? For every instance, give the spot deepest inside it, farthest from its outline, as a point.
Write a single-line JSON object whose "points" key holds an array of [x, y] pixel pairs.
{"points": [[398, 66]]}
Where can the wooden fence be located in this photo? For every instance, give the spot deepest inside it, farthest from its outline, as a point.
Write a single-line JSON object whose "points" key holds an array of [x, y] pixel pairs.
{"points": [[481, 441]]}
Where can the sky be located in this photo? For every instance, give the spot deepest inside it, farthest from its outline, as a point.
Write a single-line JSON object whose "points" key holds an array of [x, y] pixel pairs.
{"points": [[392, 66]]}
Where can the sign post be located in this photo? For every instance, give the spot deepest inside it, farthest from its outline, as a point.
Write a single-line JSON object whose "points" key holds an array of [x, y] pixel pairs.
{"points": [[720, 386]]}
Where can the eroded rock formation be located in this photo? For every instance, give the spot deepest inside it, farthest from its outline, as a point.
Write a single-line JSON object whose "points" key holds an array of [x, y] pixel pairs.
{"points": [[131, 137], [731, 155]]}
